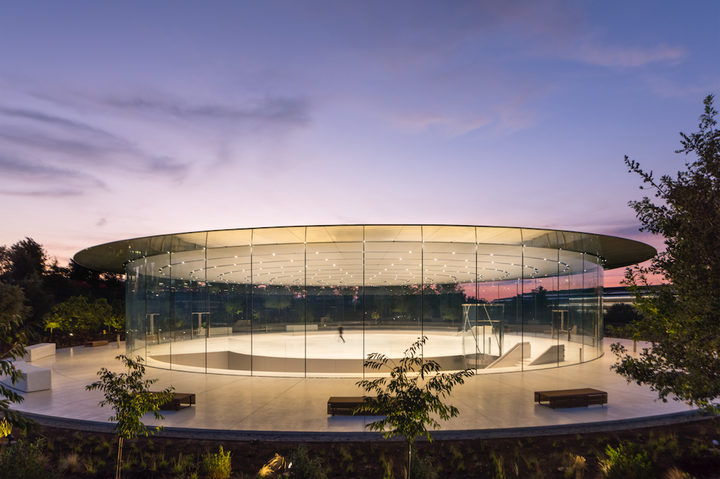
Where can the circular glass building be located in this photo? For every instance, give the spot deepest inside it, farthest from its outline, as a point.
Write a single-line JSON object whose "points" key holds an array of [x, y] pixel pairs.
{"points": [[316, 300]]}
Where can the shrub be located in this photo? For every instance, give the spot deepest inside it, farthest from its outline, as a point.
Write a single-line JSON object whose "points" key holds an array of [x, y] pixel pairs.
{"points": [[25, 460], [5, 428], [217, 466], [422, 468], [574, 466], [627, 460], [302, 466], [276, 466], [499, 464], [70, 463]]}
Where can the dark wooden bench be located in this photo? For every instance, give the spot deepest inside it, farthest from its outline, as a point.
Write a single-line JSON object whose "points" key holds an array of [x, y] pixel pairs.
{"points": [[178, 399], [92, 344], [571, 397], [345, 406]]}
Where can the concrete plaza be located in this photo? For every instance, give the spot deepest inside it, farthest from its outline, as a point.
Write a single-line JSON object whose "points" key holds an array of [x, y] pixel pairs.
{"points": [[246, 407]]}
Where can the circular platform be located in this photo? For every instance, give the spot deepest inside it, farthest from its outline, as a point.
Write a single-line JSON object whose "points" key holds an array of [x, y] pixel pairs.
{"points": [[268, 408]]}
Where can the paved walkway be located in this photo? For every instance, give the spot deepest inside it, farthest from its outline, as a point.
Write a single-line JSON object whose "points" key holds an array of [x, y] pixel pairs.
{"points": [[244, 408]]}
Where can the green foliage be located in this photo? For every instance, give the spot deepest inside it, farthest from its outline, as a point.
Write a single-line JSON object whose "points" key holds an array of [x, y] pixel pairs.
{"points": [[386, 466], [217, 466], [171, 324], [682, 318], [114, 321], [78, 315], [235, 305], [302, 466], [5, 428], [574, 466], [12, 313], [277, 465], [25, 460], [498, 464], [130, 397], [628, 460], [414, 391], [22, 261], [422, 468], [182, 463]]}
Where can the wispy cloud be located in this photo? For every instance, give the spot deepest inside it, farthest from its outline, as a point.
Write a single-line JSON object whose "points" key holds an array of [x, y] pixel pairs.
{"points": [[37, 179], [454, 125], [50, 119], [25, 169], [267, 109], [65, 144], [626, 56], [50, 193]]}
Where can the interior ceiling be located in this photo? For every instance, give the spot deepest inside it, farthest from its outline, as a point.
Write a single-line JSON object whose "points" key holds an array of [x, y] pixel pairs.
{"points": [[386, 264]]}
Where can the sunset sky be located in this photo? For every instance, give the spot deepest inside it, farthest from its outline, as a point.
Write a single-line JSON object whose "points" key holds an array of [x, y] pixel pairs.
{"points": [[125, 119]]}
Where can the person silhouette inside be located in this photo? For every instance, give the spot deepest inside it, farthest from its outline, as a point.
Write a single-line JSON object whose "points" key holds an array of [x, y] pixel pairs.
{"points": [[340, 332]]}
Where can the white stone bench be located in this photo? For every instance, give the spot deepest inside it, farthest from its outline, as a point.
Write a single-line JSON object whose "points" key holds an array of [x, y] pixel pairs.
{"points": [[34, 378], [299, 328], [37, 351]]}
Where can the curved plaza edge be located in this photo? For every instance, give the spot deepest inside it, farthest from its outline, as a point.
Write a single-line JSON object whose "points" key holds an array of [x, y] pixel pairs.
{"points": [[246, 408]]}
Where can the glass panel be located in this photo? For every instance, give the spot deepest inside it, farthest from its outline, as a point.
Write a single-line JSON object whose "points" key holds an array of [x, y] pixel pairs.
{"points": [[393, 297], [334, 309], [217, 324], [135, 310], [592, 295], [572, 334], [157, 311], [278, 308], [184, 330], [491, 235], [188, 242], [238, 307], [336, 234], [399, 233], [498, 312], [156, 245], [449, 234], [542, 315], [541, 238], [225, 238], [263, 236], [449, 269]]}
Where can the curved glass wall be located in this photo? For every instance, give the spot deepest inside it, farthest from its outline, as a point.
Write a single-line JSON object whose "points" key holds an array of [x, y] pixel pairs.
{"points": [[274, 301]]}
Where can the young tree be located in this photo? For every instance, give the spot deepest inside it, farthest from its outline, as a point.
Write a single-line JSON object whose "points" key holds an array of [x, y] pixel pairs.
{"points": [[12, 312], [414, 390], [682, 317], [130, 397]]}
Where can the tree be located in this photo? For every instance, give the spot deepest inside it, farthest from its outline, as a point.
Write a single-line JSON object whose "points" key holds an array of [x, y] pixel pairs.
{"points": [[12, 312], [415, 389], [77, 315], [682, 317], [23, 260], [130, 397]]}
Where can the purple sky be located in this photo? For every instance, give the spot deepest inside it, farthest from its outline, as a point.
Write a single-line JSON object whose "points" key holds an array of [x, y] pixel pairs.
{"points": [[124, 119]]}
